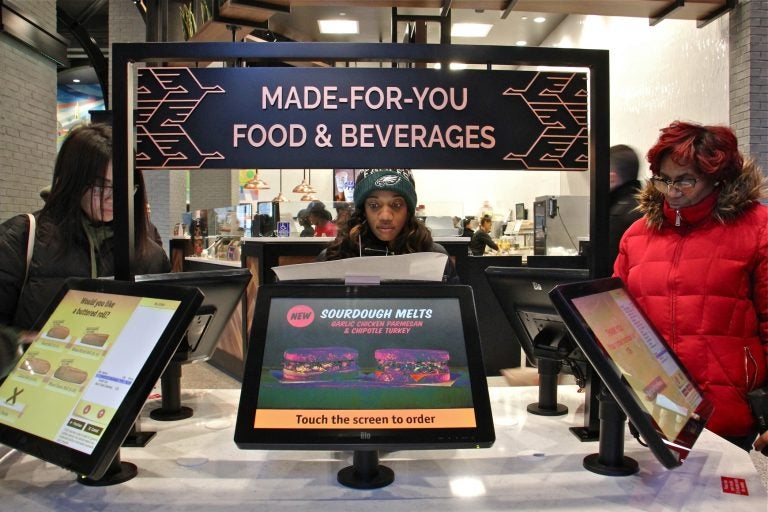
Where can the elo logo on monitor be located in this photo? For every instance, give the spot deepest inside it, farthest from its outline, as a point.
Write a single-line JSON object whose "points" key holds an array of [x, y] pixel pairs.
{"points": [[300, 316]]}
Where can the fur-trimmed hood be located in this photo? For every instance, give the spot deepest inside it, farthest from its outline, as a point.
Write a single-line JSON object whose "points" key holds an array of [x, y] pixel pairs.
{"points": [[735, 197]]}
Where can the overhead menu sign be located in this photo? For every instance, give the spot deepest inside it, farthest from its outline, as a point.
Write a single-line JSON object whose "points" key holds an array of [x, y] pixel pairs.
{"points": [[347, 118]]}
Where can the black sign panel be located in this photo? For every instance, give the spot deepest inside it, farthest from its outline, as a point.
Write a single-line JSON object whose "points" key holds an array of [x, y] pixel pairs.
{"points": [[350, 118]]}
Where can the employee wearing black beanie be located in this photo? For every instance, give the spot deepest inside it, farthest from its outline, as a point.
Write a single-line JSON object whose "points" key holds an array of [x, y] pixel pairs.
{"points": [[384, 221]]}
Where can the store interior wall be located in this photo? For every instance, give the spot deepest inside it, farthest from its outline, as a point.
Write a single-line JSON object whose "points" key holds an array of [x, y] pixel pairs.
{"points": [[28, 118], [658, 74]]}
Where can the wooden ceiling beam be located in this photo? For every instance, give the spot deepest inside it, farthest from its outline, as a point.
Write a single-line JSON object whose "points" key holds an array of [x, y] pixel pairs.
{"points": [[665, 11]]}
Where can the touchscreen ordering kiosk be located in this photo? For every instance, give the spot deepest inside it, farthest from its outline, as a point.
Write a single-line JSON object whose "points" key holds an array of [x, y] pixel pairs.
{"points": [[639, 369], [364, 368], [81, 384], [222, 291], [523, 295]]}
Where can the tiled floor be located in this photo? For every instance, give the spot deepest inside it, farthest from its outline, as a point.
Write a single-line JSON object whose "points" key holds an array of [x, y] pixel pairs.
{"points": [[205, 376]]}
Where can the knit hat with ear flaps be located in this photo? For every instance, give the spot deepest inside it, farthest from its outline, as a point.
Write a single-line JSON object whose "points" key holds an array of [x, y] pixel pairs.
{"points": [[399, 181]]}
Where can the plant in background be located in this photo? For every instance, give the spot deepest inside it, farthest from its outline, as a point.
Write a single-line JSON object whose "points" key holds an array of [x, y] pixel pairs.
{"points": [[188, 21], [206, 10]]}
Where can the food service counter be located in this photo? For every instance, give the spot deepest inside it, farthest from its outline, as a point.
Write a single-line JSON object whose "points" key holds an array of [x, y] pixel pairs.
{"points": [[536, 464]]}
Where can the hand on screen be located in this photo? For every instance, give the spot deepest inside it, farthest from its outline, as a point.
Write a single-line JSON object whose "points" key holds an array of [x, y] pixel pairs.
{"points": [[11, 343], [27, 337]]}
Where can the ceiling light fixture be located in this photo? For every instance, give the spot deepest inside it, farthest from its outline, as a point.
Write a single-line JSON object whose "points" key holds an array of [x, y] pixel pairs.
{"points": [[521, 43], [338, 26], [302, 187], [539, 19], [310, 195], [470, 29], [256, 183]]}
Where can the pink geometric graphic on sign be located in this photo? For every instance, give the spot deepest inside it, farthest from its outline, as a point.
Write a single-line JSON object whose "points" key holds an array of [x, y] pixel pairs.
{"points": [[166, 99], [558, 101]]}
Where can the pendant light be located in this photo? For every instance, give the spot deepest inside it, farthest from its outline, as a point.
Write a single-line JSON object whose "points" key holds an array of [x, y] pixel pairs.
{"points": [[279, 198], [256, 183], [309, 195], [303, 187]]}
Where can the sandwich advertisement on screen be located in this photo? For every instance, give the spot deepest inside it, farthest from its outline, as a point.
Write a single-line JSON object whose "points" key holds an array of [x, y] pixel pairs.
{"points": [[71, 381], [364, 363]]}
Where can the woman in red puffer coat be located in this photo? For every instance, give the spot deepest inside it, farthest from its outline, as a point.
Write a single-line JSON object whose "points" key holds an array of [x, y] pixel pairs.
{"points": [[697, 263]]}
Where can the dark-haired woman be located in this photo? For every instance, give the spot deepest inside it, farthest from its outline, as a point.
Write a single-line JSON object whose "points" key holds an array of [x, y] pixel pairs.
{"points": [[466, 227], [74, 233], [384, 221], [481, 238], [697, 263]]}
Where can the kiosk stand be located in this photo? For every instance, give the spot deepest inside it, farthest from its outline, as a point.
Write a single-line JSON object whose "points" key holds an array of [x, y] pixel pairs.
{"points": [[365, 472], [610, 460], [170, 389], [551, 346]]}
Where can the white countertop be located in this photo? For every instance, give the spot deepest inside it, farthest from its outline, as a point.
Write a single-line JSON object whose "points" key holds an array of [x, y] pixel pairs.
{"points": [[535, 465]]}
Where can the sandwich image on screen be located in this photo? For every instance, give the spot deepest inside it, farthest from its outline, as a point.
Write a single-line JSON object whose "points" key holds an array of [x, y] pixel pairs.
{"points": [[412, 366], [59, 332], [94, 339], [35, 365], [320, 363]]}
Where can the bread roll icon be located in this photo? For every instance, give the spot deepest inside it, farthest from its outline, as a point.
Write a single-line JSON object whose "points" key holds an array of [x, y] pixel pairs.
{"points": [[58, 331], [94, 339], [35, 365], [70, 374]]}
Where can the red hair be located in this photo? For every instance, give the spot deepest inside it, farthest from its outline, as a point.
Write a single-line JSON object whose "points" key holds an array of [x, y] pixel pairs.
{"points": [[710, 150]]}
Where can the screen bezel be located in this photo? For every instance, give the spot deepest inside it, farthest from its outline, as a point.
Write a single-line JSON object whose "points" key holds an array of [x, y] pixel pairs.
{"points": [[95, 464], [207, 281], [480, 436], [669, 452], [514, 289]]}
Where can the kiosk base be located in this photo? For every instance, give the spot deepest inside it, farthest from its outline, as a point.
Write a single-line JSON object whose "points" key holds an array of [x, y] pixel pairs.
{"points": [[365, 472], [611, 461], [170, 390], [627, 466], [117, 473]]}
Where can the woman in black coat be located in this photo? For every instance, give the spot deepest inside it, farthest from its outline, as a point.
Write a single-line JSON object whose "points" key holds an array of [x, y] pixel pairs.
{"points": [[74, 235]]}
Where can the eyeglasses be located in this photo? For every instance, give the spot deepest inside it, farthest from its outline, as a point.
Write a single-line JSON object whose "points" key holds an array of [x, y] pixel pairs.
{"points": [[106, 191], [684, 185]]}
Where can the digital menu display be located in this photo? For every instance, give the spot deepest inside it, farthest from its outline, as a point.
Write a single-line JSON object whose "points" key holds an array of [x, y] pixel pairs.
{"points": [[73, 378], [364, 363], [645, 362]]}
